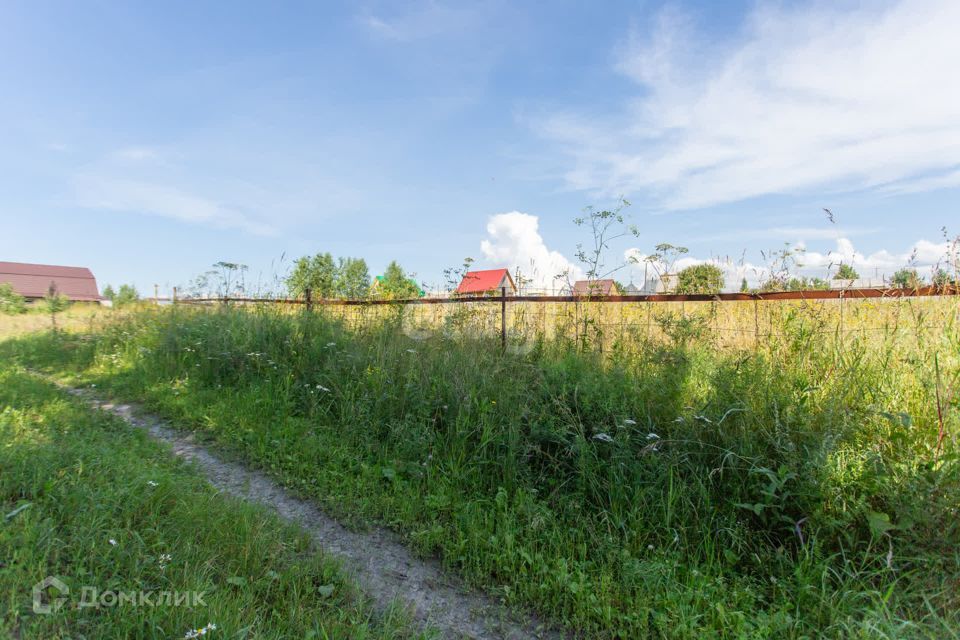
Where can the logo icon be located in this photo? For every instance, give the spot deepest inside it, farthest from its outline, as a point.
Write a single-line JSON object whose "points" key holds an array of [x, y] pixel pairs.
{"points": [[44, 602]]}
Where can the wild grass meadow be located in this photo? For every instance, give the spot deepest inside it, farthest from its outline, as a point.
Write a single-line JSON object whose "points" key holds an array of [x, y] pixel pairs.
{"points": [[642, 471]]}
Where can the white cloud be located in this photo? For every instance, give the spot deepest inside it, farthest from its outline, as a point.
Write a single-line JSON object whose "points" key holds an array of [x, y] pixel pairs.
{"points": [[134, 196], [514, 241], [809, 98]]}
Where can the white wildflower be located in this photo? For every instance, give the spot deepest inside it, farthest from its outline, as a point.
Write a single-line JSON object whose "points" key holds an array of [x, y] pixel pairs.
{"points": [[331, 344], [411, 350], [652, 436], [164, 560], [322, 388], [112, 542], [151, 483], [603, 437], [630, 422], [202, 631]]}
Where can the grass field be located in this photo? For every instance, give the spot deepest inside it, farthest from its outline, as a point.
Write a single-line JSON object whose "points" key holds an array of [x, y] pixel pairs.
{"points": [[97, 505], [659, 482]]}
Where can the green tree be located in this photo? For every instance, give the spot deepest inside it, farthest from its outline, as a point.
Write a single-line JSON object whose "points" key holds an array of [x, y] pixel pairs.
{"points": [[317, 273], [352, 280], [126, 294], [703, 278], [942, 278], [397, 284], [744, 286], [54, 304], [906, 279], [846, 272], [109, 293], [11, 302]]}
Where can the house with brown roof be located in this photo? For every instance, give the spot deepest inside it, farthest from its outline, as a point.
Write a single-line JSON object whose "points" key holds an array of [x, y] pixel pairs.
{"points": [[604, 287], [33, 281], [489, 282]]}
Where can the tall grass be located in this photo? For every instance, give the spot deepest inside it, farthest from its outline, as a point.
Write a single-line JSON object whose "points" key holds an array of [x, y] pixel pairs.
{"points": [[640, 486]]}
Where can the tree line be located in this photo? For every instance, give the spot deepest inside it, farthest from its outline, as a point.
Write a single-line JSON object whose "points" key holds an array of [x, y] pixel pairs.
{"points": [[348, 278]]}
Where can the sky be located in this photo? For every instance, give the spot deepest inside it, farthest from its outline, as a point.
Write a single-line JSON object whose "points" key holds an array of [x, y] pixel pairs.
{"points": [[149, 141]]}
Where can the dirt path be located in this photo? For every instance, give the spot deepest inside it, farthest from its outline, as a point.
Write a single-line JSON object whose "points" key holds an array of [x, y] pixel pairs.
{"points": [[378, 561]]}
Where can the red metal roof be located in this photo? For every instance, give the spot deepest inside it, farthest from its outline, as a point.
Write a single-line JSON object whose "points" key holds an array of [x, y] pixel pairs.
{"points": [[595, 288], [485, 281], [33, 280]]}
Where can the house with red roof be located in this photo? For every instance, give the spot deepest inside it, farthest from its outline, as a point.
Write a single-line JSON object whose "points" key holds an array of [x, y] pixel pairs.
{"points": [[489, 282], [33, 281]]}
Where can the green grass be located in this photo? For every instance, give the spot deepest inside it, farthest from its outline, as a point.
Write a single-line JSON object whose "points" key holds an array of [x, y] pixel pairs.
{"points": [[673, 490], [73, 480]]}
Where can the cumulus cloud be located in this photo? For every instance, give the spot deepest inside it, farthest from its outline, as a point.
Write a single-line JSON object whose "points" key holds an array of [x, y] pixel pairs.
{"points": [[514, 241], [821, 96]]}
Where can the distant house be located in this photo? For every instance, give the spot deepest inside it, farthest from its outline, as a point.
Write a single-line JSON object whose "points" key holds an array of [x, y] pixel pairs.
{"points": [[32, 281], [655, 285], [488, 282], [631, 290], [859, 283], [595, 288]]}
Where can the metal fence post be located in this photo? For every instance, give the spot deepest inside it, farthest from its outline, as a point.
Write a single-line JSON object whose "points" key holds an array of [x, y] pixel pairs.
{"points": [[503, 318]]}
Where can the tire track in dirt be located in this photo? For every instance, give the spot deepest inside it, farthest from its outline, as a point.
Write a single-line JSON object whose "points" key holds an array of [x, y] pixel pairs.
{"points": [[376, 559]]}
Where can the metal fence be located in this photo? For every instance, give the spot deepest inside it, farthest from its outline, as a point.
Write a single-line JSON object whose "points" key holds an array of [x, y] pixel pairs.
{"points": [[732, 319]]}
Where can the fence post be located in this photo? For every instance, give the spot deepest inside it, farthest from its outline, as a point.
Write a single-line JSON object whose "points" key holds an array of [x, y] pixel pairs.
{"points": [[503, 318], [308, 297], [174, 300]]}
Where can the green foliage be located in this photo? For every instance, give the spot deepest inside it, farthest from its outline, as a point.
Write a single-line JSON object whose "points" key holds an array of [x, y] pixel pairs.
{"points": [[109, 293], [95, 502], [703, 278], [317, 273], [846, 272], [744, 286], [906, 279], [327, 278], [352, 279], [396, 284], [127, 294], [11, 302], [675, 490], [942, 278], [54, 303]]}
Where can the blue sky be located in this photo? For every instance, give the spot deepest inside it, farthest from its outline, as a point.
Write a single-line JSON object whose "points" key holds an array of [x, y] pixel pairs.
{"points": [[150, 140]]}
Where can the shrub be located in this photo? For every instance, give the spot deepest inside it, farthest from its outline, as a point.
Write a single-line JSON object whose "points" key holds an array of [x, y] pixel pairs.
{"points": [[700, 278], [11, 302]]}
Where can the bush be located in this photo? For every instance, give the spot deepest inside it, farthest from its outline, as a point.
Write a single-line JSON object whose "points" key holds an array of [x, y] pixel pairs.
{"points": [[700, 278], [11, 302]]}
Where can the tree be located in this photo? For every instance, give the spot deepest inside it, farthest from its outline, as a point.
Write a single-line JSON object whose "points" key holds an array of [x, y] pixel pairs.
{"points": [[703, 278], [906, 279], [54, 303], [397, 284], [352, 278], [109, 293], [744, 287], [942, 278], [127, 294], [846, 272], [11, 302], [317, 273]]}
